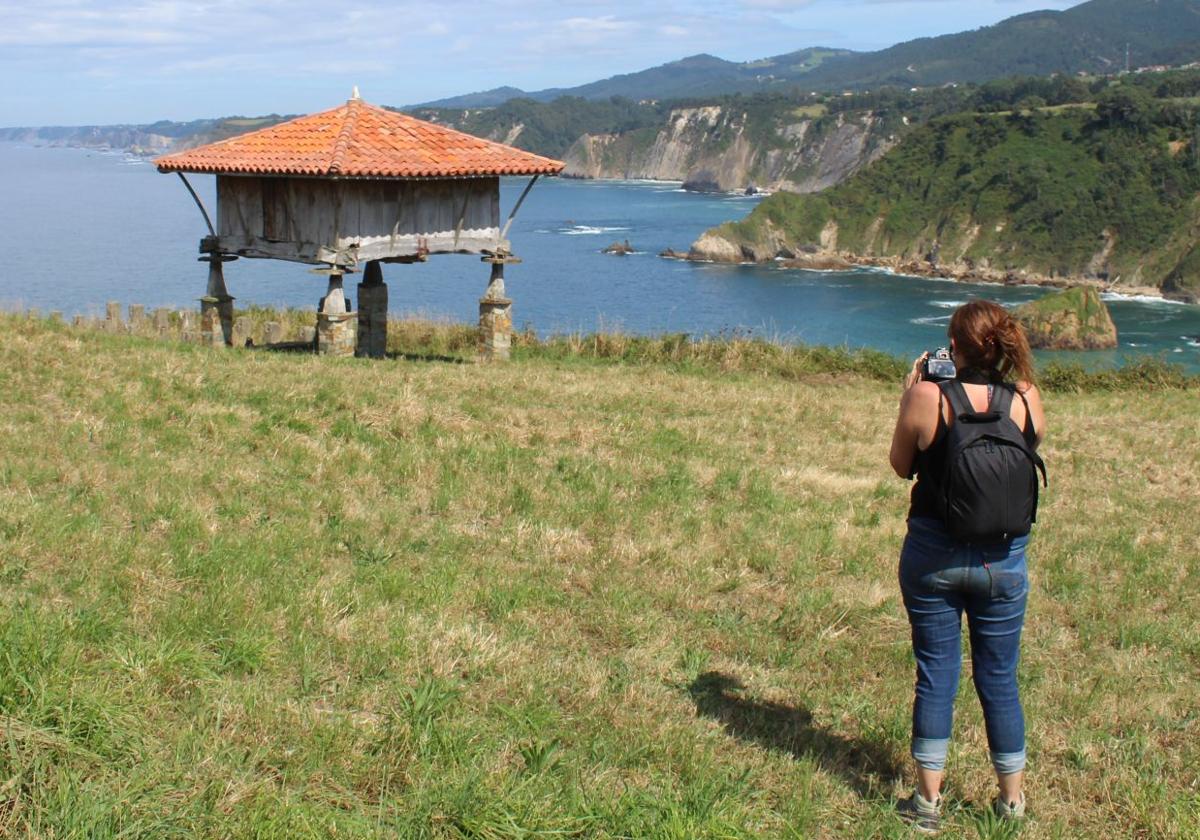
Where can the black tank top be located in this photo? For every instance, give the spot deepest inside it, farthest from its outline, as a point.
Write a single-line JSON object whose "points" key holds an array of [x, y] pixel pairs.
{"points": [[931, 461]]}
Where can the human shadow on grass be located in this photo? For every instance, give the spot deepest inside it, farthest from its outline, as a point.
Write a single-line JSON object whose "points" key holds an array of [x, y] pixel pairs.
{"points": [[867, 766]]}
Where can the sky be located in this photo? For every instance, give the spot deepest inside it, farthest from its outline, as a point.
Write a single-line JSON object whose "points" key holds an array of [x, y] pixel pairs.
{"points": [[70, 62]]}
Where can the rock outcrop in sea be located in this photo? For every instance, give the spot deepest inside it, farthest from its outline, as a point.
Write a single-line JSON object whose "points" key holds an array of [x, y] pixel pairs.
{"points": [[619, 248], [1076, 319]]}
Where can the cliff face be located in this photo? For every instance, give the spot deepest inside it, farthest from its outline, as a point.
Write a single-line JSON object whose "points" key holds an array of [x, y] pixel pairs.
{"points": [[718, 149], [1026, 197], [152, 139], [130, 138]]}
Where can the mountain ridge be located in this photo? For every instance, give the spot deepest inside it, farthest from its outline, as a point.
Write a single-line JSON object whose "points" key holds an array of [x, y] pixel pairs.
{"points": [[1090, 37]]}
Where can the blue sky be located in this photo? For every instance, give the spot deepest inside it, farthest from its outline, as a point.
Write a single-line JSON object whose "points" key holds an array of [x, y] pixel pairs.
{"points": [[67, 62]]}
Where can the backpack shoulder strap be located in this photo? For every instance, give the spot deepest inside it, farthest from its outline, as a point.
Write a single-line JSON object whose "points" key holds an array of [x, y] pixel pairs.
{"points": [[960, 403], [1002, 397]]}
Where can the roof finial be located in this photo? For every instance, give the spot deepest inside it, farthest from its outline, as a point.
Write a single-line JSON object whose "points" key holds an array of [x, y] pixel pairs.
{"points": [[354, 94]]}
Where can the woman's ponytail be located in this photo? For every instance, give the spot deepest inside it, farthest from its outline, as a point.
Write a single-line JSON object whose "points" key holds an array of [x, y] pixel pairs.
{"points": [[991, 339], [1011, 341]]}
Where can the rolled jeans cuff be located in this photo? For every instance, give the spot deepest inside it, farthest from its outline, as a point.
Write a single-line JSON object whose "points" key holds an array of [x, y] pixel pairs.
{"points": [[1007, 763], [930, 753]]}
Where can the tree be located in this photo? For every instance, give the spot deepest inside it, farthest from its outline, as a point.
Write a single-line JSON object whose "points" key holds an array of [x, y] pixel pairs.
{"points": [[1125, 107]]}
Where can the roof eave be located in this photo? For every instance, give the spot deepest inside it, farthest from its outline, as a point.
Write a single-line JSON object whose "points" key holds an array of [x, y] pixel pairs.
{"points": [[247, 173]]}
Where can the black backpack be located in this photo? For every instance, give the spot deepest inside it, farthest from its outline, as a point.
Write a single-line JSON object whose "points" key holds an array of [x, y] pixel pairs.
{"points": [[989, 490]]}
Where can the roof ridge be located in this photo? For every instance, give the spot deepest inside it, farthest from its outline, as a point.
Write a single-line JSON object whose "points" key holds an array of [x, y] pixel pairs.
{"points": [[343, 142]]}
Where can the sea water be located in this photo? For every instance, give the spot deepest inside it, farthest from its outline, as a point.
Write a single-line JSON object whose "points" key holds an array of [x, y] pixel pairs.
{"points": [[82, 227]]}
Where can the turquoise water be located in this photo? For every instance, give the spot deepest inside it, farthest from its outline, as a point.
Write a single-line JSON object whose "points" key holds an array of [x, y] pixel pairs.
{"points": [[82, 228]]}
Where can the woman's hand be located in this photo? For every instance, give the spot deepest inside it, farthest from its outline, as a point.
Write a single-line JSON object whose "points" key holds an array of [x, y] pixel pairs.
{"points": [[918, 370]]}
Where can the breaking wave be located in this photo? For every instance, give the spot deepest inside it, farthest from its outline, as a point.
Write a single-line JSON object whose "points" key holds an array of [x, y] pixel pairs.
{"points": [[589, 230]]}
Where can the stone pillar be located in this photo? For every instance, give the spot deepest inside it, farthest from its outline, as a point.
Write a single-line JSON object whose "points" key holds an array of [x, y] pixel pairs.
{"points": [[335, 326], [243, 329], [188, 333], [162, 322], [274, 333], [112, 316], [372, 313], [307, 335], [137, 317], [216, 307], [495, 314]]}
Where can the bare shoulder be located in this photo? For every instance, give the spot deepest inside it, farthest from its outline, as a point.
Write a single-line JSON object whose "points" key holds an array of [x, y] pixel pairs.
{"points": [[921, 398], [1033, 399], [1031, 394]]}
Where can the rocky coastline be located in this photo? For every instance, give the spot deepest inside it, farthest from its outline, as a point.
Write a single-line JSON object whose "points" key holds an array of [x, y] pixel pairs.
{"points": [[715, 249]]}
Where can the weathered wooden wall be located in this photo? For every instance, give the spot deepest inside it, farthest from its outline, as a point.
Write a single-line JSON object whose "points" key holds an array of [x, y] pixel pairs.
{"points": [[351, 221]]}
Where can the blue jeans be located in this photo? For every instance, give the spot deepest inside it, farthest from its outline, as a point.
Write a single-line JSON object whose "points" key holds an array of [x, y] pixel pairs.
{"points": [[940, 580]]}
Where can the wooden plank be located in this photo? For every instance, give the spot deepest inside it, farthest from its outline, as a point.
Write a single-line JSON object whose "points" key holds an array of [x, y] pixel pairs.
{"points": [[313, 220]]}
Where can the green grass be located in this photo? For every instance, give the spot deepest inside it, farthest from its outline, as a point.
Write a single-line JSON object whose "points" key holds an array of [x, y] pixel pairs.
{"points": [[813, 111], [608, 594]]}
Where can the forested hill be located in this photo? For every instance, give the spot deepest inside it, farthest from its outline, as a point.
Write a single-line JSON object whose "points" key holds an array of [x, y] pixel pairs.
{"points": [[1092, 37], [1105, 190], [696, 75]]}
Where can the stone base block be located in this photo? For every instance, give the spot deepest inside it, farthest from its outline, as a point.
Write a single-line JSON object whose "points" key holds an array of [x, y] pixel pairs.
{"points": [[216, 321], [337, 334], [495, 329], [372, 321]]}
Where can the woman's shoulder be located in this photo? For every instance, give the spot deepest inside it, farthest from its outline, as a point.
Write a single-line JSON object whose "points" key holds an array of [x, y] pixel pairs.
{"points": [[922, 395], [1033, 414], [1028, 390]]}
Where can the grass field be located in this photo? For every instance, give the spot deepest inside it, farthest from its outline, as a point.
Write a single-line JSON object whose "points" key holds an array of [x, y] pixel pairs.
{"points": [[255, 594]]}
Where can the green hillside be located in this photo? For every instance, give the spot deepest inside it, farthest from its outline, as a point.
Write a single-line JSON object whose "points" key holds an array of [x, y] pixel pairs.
{"points": [[549, 128], [1104, 189]]}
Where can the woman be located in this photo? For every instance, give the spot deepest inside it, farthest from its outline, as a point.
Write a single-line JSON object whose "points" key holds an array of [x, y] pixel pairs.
{"points": [[941, 578]]}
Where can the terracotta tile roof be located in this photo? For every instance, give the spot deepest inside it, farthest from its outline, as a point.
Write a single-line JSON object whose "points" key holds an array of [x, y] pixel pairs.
{"points": [[359, 140]]}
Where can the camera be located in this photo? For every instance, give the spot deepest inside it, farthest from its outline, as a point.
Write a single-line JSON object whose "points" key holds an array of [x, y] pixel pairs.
{"points": [[939, 366]]}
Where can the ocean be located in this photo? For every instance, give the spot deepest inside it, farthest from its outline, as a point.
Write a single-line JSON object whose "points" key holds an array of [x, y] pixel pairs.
{"points": [[83, 227]]}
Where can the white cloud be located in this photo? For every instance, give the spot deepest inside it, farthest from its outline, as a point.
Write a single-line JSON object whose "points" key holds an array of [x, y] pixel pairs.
{"points": [[125, 60]]}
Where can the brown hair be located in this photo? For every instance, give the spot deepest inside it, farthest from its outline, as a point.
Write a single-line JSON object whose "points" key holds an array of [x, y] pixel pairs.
{"points": [[989, 338]]}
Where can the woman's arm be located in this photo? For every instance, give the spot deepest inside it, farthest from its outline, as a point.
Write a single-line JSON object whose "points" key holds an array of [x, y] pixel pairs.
{"points": [[1033, 404], [918, 413], [904, 437]]}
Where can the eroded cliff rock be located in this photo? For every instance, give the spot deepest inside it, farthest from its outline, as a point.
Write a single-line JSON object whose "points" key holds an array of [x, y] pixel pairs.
{"points": [[718, 149]]}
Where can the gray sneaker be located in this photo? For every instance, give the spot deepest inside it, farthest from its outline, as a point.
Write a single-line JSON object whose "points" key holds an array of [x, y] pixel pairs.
{"points": [[921, 814], [1010, 812]]}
